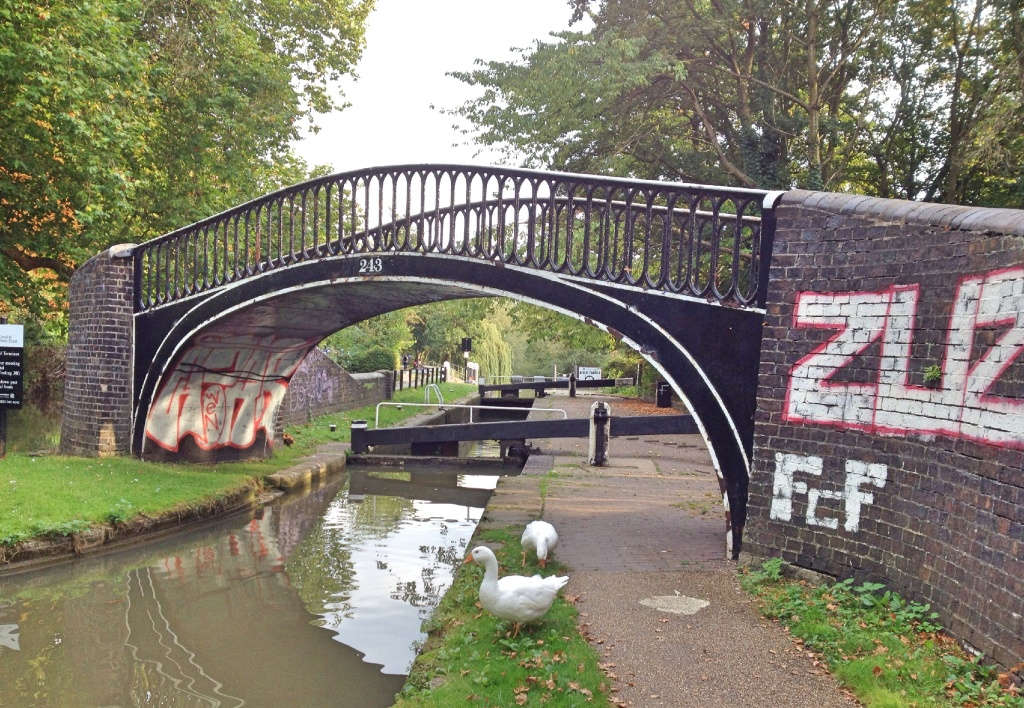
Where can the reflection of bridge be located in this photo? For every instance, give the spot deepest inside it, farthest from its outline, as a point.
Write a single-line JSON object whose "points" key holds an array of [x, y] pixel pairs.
{"points": [[224, 311]]}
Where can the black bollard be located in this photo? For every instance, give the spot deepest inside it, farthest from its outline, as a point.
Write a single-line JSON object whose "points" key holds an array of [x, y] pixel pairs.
{"points": [[600, 429]]}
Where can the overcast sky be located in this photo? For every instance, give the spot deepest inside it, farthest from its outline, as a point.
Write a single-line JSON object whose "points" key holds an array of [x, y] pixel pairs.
{"points": [[410, 45]]}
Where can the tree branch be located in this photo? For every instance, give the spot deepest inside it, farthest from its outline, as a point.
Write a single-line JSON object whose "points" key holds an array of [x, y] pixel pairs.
{"points": [[726, 162], [28, 262]]}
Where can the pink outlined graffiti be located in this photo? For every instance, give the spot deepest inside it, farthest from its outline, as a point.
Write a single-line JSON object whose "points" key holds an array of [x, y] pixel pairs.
{"points": [[962, 406], [224, 391]]}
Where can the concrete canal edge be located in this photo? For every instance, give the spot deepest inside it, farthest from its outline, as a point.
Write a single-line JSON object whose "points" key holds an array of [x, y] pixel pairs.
{"points": [[45, 551], [517, 499]]}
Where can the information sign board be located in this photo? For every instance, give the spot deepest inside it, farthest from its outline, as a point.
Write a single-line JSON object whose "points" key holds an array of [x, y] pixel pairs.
{"points": [[12, 365], [588, 373]]}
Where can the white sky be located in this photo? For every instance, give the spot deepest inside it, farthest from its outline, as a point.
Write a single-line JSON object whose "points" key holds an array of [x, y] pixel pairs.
{"points": [[410, 45]]}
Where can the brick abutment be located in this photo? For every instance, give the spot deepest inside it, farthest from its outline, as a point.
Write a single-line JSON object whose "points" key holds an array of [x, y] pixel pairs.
{"points": [[890, 422]]}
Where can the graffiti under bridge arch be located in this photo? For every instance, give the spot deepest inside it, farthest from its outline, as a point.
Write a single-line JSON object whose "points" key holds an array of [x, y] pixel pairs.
{"points": [[226, 309]]}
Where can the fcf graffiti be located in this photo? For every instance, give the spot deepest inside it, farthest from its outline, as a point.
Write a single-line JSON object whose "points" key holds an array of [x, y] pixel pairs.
{"points": [[852, 498], [963, 406]]}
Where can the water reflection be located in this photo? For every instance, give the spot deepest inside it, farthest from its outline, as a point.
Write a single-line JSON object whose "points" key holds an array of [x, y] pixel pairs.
{"points": [[235, 614], [391, 558]]}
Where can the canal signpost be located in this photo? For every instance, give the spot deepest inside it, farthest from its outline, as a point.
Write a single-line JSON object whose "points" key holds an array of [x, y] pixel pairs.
{"points": [[12, 374]]}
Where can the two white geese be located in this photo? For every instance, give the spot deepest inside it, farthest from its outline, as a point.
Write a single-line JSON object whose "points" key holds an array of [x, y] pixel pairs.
{"points": [[517, 598]]}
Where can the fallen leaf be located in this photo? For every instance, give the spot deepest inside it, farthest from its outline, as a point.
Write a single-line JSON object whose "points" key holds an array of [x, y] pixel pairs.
{"points": [[877, 671]]}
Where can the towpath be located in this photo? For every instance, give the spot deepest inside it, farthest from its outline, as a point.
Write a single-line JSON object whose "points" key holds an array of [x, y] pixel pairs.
{"points": [[644, 542]]}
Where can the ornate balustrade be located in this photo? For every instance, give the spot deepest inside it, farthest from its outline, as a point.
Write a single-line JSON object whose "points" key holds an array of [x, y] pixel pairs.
{"points": [[706, 242]]}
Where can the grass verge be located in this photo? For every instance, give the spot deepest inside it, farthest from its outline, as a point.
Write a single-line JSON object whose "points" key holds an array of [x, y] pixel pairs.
{"points": [[890, 652], [52, 495], [470, 656]]}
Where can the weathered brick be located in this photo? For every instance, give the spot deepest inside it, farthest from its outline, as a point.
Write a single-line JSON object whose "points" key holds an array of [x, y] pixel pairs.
{"points": [[947, 527]]}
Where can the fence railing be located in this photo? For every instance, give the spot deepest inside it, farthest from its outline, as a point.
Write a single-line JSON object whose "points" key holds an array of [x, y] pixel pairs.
{"points": [[707, 242], [419, 376]]}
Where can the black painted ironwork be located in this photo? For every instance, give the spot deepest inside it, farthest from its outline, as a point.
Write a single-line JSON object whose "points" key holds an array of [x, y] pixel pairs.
{"points": [[706, 242]]}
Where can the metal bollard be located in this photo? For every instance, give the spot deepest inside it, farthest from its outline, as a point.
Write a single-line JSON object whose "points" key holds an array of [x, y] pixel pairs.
{"points": [[600, 429]]}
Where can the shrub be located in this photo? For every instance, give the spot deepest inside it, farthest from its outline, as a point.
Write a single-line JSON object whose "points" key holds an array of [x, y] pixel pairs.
{"points": [[373, 359]]}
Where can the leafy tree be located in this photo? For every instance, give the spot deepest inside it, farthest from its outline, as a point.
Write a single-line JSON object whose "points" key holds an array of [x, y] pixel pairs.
{"points": [[72, 83], [124, 120], [736, 91], [542, 324], [491, 351], [358, 347], [440, 327], [919, 99], [373, 359]]}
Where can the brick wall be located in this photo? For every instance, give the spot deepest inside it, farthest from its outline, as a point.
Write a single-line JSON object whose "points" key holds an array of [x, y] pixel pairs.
{"points": [[98, 387], [865, 465], [319, 386]]}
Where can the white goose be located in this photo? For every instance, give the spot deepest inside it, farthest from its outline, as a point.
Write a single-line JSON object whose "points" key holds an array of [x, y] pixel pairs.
{"points": [[540, 537], [514, 598]]}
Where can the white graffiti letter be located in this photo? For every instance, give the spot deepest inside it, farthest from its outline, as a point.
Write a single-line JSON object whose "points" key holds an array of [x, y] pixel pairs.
{"points": [[1000, 303], [860, 319], [859, 474], [784, 487], [812, 508]]}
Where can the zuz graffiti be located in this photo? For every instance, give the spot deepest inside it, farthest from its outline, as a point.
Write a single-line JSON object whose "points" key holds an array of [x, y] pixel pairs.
{"points": [[852, 497], [963, 406], [224, 391]]}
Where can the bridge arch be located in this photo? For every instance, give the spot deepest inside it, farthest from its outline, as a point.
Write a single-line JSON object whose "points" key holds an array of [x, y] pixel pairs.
{"points": [[210, 383], [224, 310]]}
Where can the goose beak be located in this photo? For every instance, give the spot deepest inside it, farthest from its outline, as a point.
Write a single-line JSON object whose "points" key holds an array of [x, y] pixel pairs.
{"points": [[469, 559]]}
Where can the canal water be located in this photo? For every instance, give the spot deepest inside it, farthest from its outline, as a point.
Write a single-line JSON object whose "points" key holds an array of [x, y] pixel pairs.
{"points": [[314, 600]]}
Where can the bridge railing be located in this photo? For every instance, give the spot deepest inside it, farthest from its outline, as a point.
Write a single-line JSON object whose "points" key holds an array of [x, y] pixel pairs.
{"points": [[707, 242]]}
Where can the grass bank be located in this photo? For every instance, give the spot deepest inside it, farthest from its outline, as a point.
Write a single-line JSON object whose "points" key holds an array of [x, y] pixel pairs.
{"points": [[891, 653], [52, 495], [470, 656]]}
